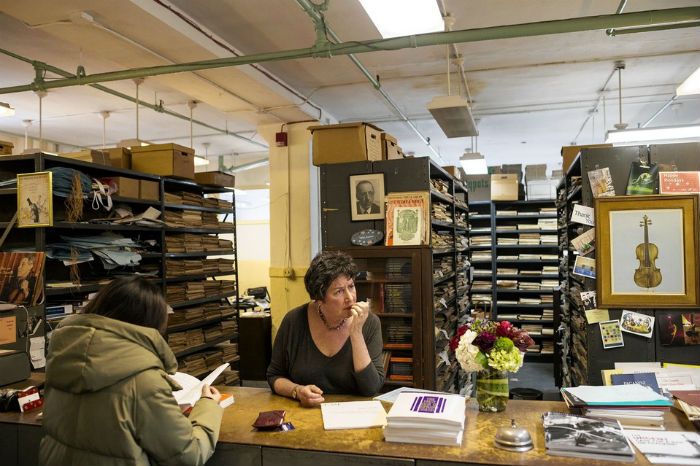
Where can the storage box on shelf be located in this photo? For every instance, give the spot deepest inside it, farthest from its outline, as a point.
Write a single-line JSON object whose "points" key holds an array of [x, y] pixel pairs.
{"points": [[203, 318], [440, 295]]}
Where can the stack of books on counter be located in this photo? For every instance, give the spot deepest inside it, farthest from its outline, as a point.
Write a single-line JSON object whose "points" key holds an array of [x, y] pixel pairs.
{"points": [[433, 419], [635, 406]]}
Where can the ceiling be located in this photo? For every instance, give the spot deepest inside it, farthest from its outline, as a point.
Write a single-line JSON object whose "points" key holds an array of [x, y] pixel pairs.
{"points": [[530, 95]]}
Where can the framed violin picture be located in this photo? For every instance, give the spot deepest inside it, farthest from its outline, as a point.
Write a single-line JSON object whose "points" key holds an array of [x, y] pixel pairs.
{"points": [[647, 252]]}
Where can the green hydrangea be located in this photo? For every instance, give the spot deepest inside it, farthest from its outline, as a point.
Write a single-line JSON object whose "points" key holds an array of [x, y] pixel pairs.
{"points": [[505, 359], [504, 344]]}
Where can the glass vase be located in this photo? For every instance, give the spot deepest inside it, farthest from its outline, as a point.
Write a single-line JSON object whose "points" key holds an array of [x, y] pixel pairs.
{"points": [[492, 390]]}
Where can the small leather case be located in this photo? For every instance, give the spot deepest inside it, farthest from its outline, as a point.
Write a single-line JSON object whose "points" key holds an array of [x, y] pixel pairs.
{"points": [[268, 420]]}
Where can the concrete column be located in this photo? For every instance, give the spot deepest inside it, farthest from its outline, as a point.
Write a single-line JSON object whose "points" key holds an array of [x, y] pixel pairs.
{"points": [[292, 200]]}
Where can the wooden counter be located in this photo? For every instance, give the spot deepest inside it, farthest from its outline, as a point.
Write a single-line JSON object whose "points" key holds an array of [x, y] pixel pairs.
{"points": [[309, 444]]}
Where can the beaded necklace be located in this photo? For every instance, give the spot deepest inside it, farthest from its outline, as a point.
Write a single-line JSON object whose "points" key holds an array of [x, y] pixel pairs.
{"points": [[325, 322]]}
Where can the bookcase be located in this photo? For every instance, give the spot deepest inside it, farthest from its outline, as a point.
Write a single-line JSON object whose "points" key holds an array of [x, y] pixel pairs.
{"points": [[435, 295], [582, 354], [196, 269], [515, 255]]}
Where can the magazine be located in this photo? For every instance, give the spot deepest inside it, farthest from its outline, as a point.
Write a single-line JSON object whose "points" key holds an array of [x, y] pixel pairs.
{"points": [[571, 435], [407, 218]]}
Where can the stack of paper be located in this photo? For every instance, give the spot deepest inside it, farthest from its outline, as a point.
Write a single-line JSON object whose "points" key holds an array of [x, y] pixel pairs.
{"points": [[353, 415], [431, 419]]}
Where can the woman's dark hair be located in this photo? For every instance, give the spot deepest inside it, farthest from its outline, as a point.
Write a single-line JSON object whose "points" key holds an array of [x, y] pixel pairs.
{"points": [[326, 267], [131, 299]]}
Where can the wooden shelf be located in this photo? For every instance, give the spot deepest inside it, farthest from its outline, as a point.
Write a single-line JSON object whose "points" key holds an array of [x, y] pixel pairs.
{"points": [[215, 231], [198, 208], [183, 255], [194, 349], [208, 299], [78, 289], [204, 276], [201, 323]]}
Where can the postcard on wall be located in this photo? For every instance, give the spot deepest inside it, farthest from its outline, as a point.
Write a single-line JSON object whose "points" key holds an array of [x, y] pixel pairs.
{"points": [[679, 182], [593, 316], [601, 182], [584, 267], [679, 328], [583, 214], [585, 242], [588, 298], [611, 334], [21, 275], [639, 324]]}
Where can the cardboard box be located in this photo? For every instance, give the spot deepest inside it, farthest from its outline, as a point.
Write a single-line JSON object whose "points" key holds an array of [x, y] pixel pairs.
{"points": [[479, 187], [88, 155], [215, 178], [119, 157], [390, 148], [557, 174], [454, 171], [569, 153], [149, 190], [121, 186], [504, 187], [350, 142], [164, 160], [535, 172], [542, 189], [6, 147], [515, 169], [494, 169]]}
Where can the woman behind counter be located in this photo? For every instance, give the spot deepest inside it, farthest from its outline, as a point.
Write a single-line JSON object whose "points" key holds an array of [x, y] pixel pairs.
{"points": [[332, 344], [108, 399]]}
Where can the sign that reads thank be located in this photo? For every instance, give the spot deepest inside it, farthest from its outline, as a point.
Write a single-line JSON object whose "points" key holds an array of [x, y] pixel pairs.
{"points": [[583, 214]]}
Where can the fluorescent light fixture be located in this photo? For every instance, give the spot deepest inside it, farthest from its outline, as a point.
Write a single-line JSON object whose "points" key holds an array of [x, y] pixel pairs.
{"points": [[454, 116], [200, 161], [691, 85], [6, 110], [473, 163], [659, 134], [395, 18]]}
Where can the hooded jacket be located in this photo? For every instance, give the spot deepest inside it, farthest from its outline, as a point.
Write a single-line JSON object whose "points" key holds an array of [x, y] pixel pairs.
{"points": [[108, 400]]}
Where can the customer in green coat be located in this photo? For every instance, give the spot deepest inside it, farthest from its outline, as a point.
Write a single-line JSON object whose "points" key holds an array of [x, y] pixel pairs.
{"points": [[108, 395]]}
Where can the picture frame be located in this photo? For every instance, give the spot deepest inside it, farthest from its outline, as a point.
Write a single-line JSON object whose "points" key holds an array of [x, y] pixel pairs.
{"points": [[34, 200], [367, 197], [647, 251]]}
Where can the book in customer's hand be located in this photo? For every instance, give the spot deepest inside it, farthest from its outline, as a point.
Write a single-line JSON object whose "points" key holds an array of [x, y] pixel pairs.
{"points": [[570, 435], [192, 388]]}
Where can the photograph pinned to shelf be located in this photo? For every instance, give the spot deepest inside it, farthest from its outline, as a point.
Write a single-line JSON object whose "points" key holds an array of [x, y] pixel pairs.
{"points": [[643, 179], [679, 328], [367, 196], [601, 183], [639, 324], [647, 247], [583, 214], [585, 242], [407, 218], [34, 200], [588, 299], [611, 334], [585, 267]]}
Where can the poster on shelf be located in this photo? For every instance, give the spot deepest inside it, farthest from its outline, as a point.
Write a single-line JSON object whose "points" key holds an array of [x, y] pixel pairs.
{"points": [[611, 334], [636, 323]]}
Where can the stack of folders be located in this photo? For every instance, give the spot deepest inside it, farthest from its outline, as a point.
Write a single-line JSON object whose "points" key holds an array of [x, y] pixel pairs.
{"points": [[635, 406], [433, 419]]}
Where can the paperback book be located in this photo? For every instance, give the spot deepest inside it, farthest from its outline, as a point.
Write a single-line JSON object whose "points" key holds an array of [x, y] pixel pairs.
{"points": [[192, 388]]}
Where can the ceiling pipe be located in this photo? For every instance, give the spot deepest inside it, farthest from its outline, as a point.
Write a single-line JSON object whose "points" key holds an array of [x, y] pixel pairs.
{"points": [[660, 111], [620, 7], [455, 53], [594, 110], [588, 23], [41, 68], [688, 24], [322, 29]]}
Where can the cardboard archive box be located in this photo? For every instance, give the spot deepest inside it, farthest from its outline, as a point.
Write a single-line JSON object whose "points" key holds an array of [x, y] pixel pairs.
{"points": [[535, 172], [454, 171], [121, 186], [390, 147], [479, 187], [542, 189], [504, 187], [215, 178], [149, 190], [6, 147], [514, 169], [119, 157], [164, 160], [88, 155], [349, 142]]}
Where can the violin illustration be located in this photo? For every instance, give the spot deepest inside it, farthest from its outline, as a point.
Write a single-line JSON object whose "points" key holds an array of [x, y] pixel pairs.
{"points": [[647, 274]]}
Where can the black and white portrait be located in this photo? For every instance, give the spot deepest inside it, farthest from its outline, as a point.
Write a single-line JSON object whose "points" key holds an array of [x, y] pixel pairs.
{"points": [[367, 196]]}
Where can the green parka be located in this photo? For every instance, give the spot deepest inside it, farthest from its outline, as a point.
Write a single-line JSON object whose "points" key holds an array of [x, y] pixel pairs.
{"points": [[109, 400]]}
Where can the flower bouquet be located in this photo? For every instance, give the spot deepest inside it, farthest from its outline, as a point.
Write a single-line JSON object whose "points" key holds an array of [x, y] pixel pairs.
{"points": [[492, 349]]}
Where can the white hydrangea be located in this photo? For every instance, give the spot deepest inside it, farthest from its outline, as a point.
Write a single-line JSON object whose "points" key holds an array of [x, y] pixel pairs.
{"points": [[466, 353]]}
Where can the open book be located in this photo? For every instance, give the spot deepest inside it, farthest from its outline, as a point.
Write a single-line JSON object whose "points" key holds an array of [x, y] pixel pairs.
{"points": [[192, 388]]}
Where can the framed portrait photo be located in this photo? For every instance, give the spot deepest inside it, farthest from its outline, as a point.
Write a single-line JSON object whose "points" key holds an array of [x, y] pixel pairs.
{"points": [[367, 196], [646, 253], [34, 200]]}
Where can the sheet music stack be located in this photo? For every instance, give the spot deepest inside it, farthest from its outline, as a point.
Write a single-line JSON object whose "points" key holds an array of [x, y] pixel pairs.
{"points": [[434, 419]]}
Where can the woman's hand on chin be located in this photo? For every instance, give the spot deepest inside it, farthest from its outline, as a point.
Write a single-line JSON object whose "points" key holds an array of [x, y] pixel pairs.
{"points": [[310, 396], [358, 316]]}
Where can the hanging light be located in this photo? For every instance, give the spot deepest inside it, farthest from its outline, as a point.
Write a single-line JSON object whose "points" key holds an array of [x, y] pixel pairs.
{"points": [[6, 110], [666, 134], [200, 161]]}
